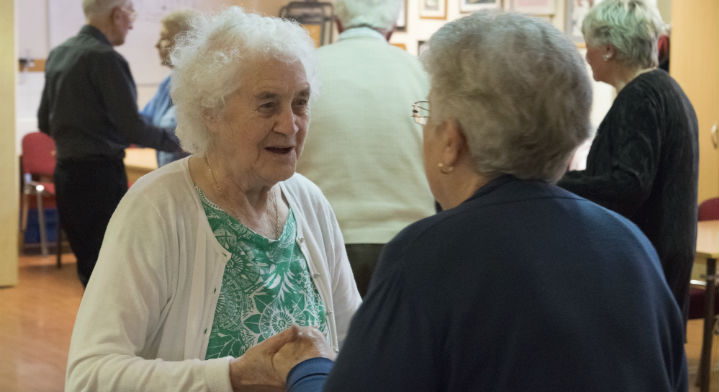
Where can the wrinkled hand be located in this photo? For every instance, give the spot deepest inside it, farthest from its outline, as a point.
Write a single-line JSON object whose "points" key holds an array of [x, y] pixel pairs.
{"points": [[254, 371], [308, 343]]}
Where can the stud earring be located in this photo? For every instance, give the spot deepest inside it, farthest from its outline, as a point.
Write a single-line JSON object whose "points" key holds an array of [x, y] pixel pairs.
{"points": [[606, 57], [445, 169]]}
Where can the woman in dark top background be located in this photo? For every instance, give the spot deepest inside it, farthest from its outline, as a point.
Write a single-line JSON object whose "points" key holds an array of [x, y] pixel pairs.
{"points": [[644, 159]]}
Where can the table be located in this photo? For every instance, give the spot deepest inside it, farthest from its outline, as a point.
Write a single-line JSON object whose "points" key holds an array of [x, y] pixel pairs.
{"points": [[708, 248], [139, 161]]}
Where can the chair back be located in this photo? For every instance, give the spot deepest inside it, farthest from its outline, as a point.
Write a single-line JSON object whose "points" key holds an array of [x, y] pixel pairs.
{"points": [[709, 209], [38, 154]]}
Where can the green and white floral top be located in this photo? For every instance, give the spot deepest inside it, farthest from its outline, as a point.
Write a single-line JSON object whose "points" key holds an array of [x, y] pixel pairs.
{"points": [[266, 286]]}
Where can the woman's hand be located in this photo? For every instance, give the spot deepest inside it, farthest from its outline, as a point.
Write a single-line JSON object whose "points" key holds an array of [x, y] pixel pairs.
{"points": [[254, 371], [309, 343]]}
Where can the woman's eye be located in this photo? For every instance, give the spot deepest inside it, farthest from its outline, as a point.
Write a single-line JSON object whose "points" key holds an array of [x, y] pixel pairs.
{"points": [[300, 104], [267, 106]]}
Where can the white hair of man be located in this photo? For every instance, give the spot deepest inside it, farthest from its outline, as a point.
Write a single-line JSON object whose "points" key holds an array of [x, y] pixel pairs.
{"points": [[100, 8], [210, 58], [518, 89], [632, 26], [378, 14]]}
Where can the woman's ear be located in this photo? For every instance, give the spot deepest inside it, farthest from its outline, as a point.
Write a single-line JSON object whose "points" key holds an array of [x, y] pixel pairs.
{"points": [[609, 51], [453, 141]]}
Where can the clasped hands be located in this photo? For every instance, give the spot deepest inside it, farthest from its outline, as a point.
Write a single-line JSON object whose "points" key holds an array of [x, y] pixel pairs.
{"points": [[265, 366]]}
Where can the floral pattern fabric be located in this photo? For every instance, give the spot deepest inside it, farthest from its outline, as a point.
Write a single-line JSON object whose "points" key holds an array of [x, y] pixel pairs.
{"points": [[266, 286]]}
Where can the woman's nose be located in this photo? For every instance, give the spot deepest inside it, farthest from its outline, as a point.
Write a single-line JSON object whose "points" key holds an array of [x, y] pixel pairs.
{"points": [[287, 123]]}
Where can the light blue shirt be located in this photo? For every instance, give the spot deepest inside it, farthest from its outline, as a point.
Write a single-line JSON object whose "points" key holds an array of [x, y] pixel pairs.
{"points": [[160, 112]]}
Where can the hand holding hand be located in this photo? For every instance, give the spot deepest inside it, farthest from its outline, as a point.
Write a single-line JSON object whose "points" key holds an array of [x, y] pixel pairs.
{"points": [[308, 343], [254, 370]]}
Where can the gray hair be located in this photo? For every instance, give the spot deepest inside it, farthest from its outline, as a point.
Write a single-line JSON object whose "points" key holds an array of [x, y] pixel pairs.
{"points": [[518, 89], [632, 26], [179, 21], [209, 58], [100, 8], [379, 14]]}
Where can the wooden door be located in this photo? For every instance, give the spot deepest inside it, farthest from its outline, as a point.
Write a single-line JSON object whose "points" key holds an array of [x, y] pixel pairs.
{"points": [[695, 65]]}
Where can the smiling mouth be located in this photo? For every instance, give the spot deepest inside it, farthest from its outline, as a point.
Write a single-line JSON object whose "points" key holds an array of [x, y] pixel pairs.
{"points": [[280, 150]]}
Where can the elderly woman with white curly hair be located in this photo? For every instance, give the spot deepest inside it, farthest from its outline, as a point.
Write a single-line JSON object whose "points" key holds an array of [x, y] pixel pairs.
{"points": [[518, 285], [644, 160], [212, 254]]}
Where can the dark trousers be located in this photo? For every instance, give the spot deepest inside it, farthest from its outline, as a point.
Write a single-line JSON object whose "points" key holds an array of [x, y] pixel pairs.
{"points": [[87, 194], [363, 258]]}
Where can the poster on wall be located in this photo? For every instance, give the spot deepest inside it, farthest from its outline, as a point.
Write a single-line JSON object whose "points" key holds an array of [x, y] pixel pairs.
{"points": [[574, 13], [466, 6], [433, 9]]}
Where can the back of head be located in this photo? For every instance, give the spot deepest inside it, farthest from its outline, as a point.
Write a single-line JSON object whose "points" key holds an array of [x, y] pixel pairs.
{"points": [[180, 21], [518, 89], [209, 61], [378, 14], [94, 9], [632, 26]]}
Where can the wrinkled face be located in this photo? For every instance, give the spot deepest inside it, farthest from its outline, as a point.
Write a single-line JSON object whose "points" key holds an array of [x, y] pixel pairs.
{"points": [[164, 46], [123, 18], [595, 58], [261, 130]]}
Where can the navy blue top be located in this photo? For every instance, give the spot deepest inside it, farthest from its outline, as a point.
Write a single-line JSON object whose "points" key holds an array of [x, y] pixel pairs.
{"points": [[89, 102], [523, 287]]}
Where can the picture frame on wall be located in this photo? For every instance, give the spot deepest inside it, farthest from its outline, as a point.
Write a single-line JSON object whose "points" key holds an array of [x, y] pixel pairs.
{"points": [[574, 13], [467, 6], [534, 7], [401, 23], [433, 9]]}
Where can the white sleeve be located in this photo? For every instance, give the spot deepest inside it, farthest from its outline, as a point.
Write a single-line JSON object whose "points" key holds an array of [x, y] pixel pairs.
{"points": [[120, 322]]}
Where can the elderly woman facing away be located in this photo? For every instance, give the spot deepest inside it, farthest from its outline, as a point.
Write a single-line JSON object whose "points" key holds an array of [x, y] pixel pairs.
{"points": [[160, 111], [518, 285], [644, 160], [211, 254]]}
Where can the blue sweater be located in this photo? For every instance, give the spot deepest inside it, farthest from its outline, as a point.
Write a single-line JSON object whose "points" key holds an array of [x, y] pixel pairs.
{"points": [[523, 287], [160, 112]]}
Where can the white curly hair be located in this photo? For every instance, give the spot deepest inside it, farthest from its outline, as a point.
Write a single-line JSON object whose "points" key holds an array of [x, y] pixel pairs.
{"points": [[208, 59]]}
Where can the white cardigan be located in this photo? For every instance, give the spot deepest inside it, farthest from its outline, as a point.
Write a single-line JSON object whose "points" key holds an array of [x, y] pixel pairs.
{"points": [[145, 318]]}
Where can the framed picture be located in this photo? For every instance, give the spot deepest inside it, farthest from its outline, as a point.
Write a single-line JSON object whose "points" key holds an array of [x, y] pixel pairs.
{"points": [[466, 6], [534, 7], [401, 23], [574, 13], [433, 9]]}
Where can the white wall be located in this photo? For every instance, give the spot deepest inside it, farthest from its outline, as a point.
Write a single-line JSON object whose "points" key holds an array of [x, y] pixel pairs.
{"points": [[43, 24], [38, 31]]}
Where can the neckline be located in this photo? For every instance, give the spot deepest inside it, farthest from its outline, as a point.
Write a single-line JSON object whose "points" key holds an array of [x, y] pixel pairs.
{"points": [[284, 232]]}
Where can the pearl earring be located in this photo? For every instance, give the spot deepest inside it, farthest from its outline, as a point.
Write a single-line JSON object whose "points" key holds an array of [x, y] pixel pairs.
{"points": [[445, 169]]}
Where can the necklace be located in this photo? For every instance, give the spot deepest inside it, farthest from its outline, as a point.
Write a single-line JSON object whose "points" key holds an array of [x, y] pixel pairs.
{"points": [[272, 200]]}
